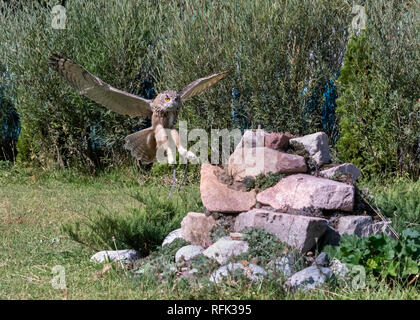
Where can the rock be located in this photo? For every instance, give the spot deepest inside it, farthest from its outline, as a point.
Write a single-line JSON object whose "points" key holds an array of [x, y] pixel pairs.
{"points": [[376, 228], [250, 162], [353, 224], [188, 252], [196, 228], [217, 196], [322, 260], [309, 278], [342, 169], [176, 234], [330, 236], [252, 139], [223, 250], [296, 230], [125, 256], [339, 269], [252, 271], [278, 141], [284, 265], [236, 235], [317, 146], [301, 191]]}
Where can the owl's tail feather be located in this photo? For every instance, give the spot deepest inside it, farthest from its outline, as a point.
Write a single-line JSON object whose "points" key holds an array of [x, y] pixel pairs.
{"points": [[142, 145]]}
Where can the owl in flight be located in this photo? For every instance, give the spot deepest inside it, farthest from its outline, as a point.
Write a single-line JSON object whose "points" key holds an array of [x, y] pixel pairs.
{"points": [[163, 109]]}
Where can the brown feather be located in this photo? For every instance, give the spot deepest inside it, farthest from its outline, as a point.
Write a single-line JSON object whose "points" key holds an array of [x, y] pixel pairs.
{"points": [[142, 145], [201, 84], [94, 88]]}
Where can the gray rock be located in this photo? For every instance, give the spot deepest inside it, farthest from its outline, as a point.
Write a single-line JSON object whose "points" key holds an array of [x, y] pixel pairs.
{"points": [[376, 228], [224, 249], [339, 269], [353, 224], [322, 260], [309, 278], [342, 169], [330, 236], [250, 162], [252, 271], [317, 146], [125, 256], [176, 234], [298, 231], [188, 252], [284, 265], [300, 191]]}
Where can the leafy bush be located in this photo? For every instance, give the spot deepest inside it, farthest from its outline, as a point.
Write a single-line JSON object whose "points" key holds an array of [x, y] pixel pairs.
{"points": [[378, 107], [274, 50], [263, 245], [142, 229], [380, 255], [58, 124], [400, 201]]}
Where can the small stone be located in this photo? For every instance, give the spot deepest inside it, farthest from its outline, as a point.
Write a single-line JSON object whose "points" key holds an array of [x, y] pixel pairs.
{"points": [[223, 250], [353, 224], [196, 228], [378, 227], [176, 234], [317, 146], [188, 252], [236, 236], [322, 260], [284, 265], [253, 272], [342, 169], [125, 256], [309, 278]]}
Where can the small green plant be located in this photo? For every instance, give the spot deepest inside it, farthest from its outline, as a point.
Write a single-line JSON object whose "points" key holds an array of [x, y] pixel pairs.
{"points": [[262, 245], [380, 255], [142, 228], [265, 181]]}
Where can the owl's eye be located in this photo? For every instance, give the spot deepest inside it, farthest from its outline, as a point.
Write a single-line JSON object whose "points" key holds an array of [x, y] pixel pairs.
{"points": [[167, 99]]}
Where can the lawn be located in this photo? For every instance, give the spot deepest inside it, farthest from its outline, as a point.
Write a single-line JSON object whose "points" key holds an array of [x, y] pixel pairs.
{"points": [[34, 205]]}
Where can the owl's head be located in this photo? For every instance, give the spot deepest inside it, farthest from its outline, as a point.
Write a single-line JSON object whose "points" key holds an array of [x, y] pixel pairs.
{"points": [[167, 100]]}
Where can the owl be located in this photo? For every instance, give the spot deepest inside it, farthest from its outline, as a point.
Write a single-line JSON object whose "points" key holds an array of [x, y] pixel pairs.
{"points": [[164, 109]]}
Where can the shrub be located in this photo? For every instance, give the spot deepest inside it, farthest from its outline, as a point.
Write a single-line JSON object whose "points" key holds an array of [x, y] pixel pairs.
{"points": [[58, 124], [378, 108], [400, 201], [143, 228], [380, 255], [274, 50]]}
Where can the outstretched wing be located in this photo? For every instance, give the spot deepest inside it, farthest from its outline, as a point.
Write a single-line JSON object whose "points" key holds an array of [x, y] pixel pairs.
{"points": [[201, 84], [94, 88]]}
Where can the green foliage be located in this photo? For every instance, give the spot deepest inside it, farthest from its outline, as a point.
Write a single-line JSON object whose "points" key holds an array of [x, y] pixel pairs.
{"points": [[265, 181], [142, 229], [380, 255], [400, 201], [378, 108], [273, 49], [263, 245]]}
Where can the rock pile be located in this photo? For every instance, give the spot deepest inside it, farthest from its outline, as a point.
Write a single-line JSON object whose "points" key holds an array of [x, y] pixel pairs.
{"points": [[313, 203], [314, 200]]}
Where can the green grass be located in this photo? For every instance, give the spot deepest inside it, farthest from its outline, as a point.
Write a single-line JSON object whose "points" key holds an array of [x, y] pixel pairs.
{"points": [[33, 207]]}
